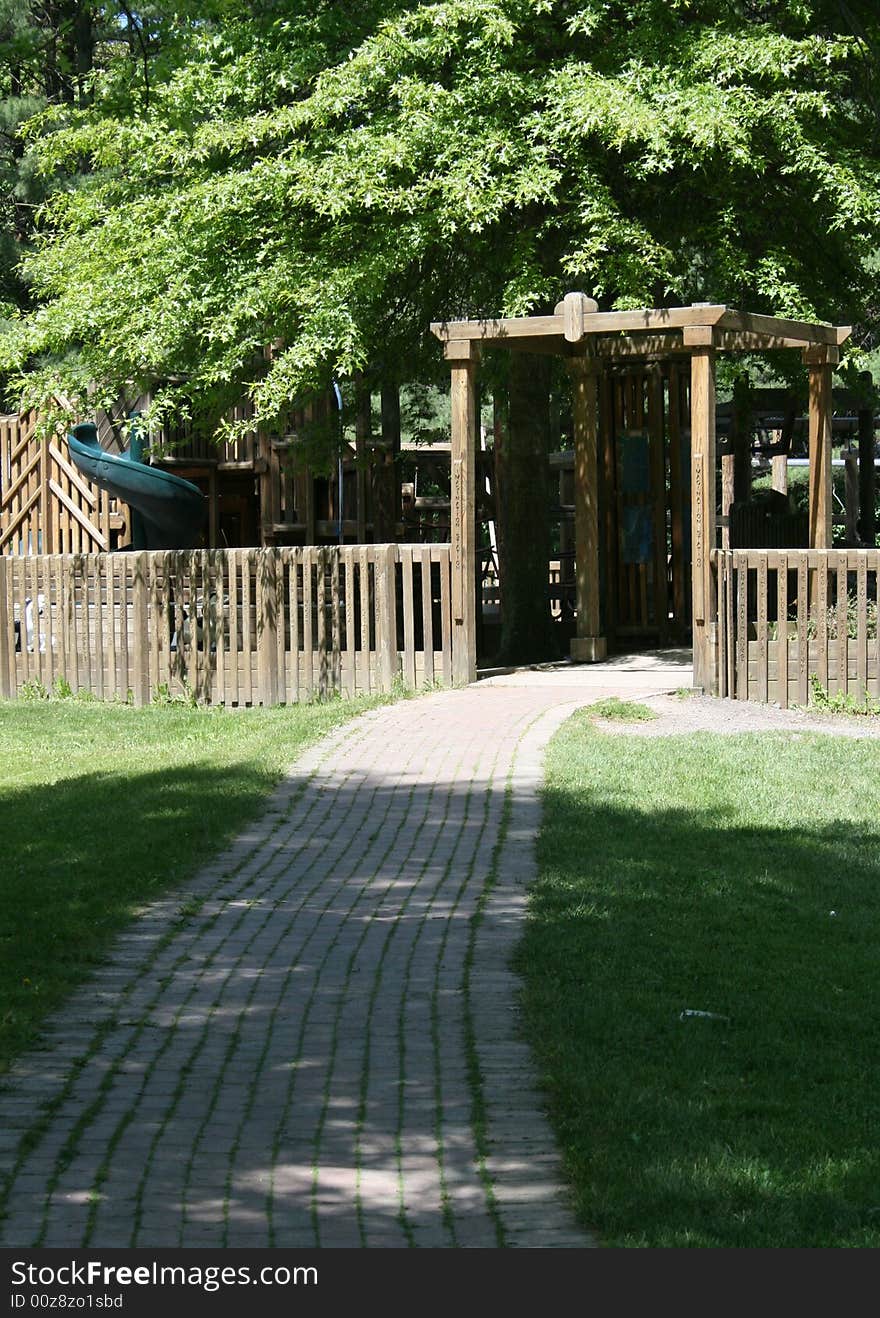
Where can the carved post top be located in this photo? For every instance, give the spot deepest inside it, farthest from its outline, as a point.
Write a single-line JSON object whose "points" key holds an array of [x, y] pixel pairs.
{"points": [[461, 352], [572, 309]]}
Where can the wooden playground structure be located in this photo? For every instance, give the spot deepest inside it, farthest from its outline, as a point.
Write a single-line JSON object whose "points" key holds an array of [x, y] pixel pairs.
{"points": [[349, 581]]}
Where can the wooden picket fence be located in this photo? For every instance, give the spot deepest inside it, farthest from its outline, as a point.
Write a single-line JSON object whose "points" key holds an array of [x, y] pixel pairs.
{"points": [[788, 616], [228, 627]]}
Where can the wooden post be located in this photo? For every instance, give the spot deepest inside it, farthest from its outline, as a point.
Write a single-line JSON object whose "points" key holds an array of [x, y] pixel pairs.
{"points": [[462, 356], [588, 645], [820, 361], [700, 339], [140, 637], [267, 626], [386, 616]]}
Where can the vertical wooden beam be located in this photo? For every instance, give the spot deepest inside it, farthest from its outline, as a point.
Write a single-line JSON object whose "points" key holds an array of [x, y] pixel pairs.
{"points": [[140, 683], [589, 644], [462, 356], [820, 361], [699, 339]]}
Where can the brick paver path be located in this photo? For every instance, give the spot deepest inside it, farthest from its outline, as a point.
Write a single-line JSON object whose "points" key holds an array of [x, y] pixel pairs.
{"points": [[316, 1043]]}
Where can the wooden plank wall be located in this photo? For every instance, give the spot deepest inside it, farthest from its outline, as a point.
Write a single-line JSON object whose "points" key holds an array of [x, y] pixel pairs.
{"points": [[788, 616], [46, 505], [230, 627]]}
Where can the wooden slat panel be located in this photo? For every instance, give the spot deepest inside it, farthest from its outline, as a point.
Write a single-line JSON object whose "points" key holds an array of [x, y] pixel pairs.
{"points": [[321, 620], [59, 650], [112, 660], [85, 595], [140, 677], [293, 596], [782, 627], [862, 625], [235, 560], [366, 596], [762, 625], [336, 622], [446, 614], [216, 613], [803, 668], [20, 593], [740, 563], [427, 616], [821, 600], [248, 638], [386, 629], [409, 624], [308, 558], [350, 669], [27, 587], [842, 641]]}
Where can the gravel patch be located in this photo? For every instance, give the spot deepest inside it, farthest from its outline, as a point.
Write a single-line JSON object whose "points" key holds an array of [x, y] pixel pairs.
{"points": [[680, 715]]}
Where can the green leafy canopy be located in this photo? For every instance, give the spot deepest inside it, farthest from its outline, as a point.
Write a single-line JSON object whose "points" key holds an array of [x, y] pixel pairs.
{"points": [[330, 178]]}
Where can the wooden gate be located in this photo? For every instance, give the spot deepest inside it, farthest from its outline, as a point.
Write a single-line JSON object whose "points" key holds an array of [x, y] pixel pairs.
{"points": [[46, 505], [644, 422]]}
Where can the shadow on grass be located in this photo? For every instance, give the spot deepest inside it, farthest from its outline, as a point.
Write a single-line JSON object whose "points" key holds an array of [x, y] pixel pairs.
{"points": [[754, 1125], [83, 855]]}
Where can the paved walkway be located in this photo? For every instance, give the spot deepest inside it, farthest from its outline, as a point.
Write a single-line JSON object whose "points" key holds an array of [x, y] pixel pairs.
{"points": [[316, 1043]]}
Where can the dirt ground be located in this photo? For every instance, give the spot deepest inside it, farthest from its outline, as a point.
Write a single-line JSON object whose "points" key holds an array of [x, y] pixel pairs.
{"points": [[678, 715]]}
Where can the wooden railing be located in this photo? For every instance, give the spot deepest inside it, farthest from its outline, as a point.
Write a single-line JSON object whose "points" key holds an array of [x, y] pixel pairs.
{"points": [[791, 618], [229, 627]]}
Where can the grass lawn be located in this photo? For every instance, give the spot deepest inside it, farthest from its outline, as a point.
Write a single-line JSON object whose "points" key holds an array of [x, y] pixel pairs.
{"points": [[733, 875], [103, 807]]}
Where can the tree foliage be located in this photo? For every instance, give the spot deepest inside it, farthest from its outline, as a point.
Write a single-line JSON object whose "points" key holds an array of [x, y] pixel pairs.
{"points": [[328, 178]]}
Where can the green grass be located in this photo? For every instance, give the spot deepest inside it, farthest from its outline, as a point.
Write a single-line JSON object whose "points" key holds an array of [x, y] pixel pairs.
{"points": [[104, 807], [622, 711], [733, 875]]}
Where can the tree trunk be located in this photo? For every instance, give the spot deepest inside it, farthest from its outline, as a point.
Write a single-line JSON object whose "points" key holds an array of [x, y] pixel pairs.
{"points": [[527, 631], [385, 470]]}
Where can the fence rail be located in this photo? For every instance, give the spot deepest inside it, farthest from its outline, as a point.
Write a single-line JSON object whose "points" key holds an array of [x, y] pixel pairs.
{"points": [[232, 627], [787, 617]]}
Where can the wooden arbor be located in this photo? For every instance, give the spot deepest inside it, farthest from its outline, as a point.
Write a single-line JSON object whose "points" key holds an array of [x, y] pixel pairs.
{"points": [[592, 341]]}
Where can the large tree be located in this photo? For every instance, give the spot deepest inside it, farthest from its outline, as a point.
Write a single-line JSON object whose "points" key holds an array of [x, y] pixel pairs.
{"points": [[329, 178]]}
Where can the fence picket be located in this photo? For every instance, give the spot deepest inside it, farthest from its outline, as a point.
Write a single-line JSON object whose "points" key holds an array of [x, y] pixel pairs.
{"points": [[862, 625]]}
